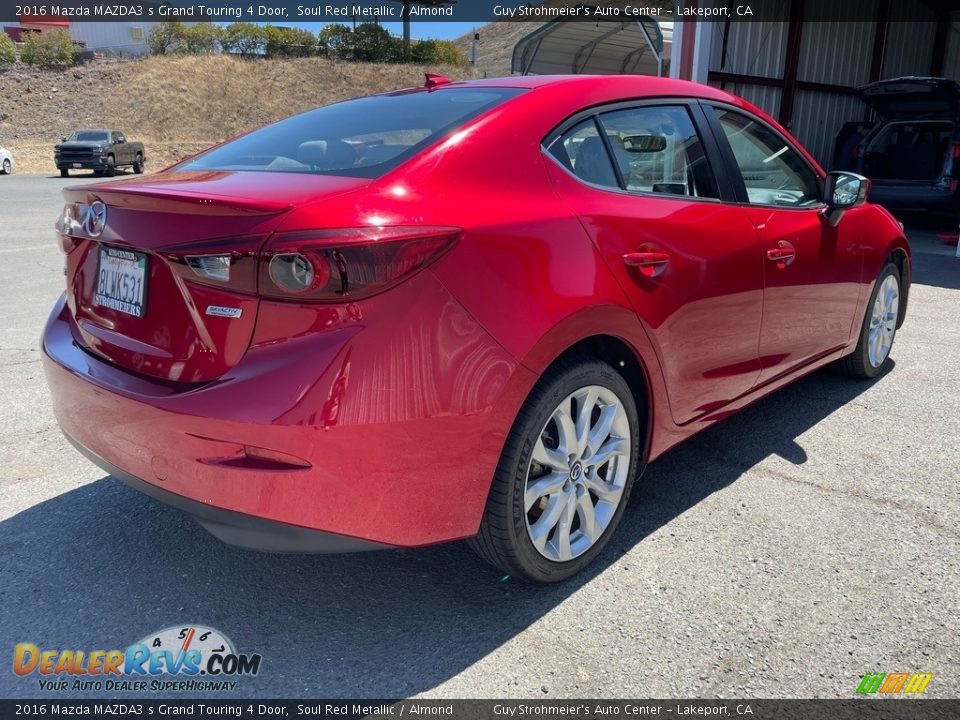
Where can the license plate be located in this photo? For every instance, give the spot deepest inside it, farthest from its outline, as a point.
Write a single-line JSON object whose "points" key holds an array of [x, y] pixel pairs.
{"points": [[78, 165], [122, 281]]}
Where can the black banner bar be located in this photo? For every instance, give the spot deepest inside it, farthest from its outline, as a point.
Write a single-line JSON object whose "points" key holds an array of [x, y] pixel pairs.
{"points": [[877, 709], [345, 11]]}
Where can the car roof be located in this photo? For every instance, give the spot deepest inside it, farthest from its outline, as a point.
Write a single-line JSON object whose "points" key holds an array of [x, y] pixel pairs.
{"points": [[630, 85]]}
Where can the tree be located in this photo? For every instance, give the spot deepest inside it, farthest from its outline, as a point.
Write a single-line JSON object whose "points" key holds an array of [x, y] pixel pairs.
{"points": [[8, 51], [202, 38], [289, 42], [374, 43], [337, 41], [49, 49], [244, 39], [438, 52], [166, 37]]}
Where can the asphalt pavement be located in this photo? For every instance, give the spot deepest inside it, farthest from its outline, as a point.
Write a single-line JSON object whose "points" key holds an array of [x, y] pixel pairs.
{"points": [[783, 553]]}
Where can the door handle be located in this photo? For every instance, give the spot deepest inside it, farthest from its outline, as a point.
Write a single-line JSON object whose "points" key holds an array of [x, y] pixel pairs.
{"points": [[783, 254], [650, 264]]}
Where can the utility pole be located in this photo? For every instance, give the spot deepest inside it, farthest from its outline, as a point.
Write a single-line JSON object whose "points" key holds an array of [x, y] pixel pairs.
{"points": [[405, 16]]}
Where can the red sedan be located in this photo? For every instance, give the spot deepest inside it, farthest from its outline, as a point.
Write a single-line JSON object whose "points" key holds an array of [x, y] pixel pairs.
{"points": [[468, 310]]}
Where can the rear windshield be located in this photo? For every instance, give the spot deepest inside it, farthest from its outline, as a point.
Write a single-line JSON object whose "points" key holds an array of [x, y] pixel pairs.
{"points": [[365, 137], [90, 136]]}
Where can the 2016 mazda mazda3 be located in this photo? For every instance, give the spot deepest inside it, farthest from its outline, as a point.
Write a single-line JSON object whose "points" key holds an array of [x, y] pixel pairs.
{"points": [[468, 310]]}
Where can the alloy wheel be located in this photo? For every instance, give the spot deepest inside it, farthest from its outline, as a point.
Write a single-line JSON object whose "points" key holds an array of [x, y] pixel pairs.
{"points": [[577, 473], [883, 321]]}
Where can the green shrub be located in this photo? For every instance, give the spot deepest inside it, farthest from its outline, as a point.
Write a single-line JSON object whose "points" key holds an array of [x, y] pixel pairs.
{"points": [[166, 37], [8, 51], [201, 38], [374, 43], [244, 39], [438, 52], [337, 41], [289, 42], [49, 49]]}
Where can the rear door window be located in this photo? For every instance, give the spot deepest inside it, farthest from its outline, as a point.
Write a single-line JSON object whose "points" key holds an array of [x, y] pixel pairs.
{"points": [[658, 150], [365, 137]]}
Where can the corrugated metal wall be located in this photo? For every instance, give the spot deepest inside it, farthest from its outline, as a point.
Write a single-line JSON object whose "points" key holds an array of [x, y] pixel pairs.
{"points": [[951, 60], [752, 48], [763, 96], [910, 48], [817, 117], [836, 50]]}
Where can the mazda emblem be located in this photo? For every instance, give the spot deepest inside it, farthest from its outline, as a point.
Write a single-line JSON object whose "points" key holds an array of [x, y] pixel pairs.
{"points": [[95, 219]]}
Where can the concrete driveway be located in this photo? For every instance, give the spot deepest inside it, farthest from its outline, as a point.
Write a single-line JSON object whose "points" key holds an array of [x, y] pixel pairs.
{"points": [[808, 540]]}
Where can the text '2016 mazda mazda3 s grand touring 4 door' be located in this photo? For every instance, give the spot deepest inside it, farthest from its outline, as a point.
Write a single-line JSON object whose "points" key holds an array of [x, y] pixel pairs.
{"points": [[469, 310]]}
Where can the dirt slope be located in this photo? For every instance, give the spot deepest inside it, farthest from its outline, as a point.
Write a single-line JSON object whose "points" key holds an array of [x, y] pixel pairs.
{"points": [[495, 47], [176, 105]]}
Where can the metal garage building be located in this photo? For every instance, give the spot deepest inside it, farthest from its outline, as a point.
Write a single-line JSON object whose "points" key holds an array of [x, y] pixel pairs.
{"points": [[805, 67], [802, 64]]}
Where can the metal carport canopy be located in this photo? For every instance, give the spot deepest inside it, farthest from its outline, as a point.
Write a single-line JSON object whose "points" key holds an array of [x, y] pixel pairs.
{"points": [[597, 48]]}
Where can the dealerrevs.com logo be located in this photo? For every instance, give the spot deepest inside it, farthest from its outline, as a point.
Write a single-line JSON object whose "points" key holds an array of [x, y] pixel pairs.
{"points": [[178, 658]]}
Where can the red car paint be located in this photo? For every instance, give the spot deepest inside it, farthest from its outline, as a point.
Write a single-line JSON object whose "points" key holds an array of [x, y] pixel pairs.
{"points": [[383, 418]]}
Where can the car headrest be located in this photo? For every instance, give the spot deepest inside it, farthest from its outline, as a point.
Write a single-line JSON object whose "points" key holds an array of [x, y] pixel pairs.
{"points": [[325, 154]]}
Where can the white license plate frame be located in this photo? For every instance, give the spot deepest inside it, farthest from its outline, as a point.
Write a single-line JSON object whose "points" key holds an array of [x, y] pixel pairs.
{"points": [[121, 280]]}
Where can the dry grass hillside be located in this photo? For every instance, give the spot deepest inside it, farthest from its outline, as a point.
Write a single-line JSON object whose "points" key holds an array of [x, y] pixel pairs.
{"points": [[179, 104], [495, 47]]}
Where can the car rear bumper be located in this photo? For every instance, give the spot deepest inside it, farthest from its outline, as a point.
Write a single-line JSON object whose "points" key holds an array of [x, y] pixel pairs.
{"points": [[235, 528], [385, 433]]}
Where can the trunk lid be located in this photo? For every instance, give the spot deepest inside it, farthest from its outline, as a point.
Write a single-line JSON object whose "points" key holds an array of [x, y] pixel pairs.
{"points": [[139, 296], [913, 98]]}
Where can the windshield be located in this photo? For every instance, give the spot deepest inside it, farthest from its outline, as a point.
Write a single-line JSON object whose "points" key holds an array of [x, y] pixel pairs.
{"points": [[365, 137], [89, 136]]}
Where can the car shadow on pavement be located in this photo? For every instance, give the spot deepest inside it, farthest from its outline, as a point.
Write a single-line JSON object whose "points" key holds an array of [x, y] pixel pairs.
{"points": [[101, 566]]}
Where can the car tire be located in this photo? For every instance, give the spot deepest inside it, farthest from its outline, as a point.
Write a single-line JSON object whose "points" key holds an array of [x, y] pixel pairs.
{"points": [[7, 167], [64, 172], [516, 511], [138, 165], [111, 167], [878, 329]]}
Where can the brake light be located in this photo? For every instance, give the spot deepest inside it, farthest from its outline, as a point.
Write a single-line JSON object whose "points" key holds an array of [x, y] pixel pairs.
{"points": [[347, 263], [955, 151]]}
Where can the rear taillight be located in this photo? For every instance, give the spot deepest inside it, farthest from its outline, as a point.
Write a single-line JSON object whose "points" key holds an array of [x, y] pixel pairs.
{"points": [[67, 225], [230, 264], [347, 264], [955, 151]]}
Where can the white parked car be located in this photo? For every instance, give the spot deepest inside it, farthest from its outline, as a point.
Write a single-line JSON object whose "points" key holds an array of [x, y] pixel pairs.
{"points": [[6, 161]]}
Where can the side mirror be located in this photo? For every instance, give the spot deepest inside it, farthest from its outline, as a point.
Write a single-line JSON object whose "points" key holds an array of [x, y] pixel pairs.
{"points": [[843, 191], [63, 138]]}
